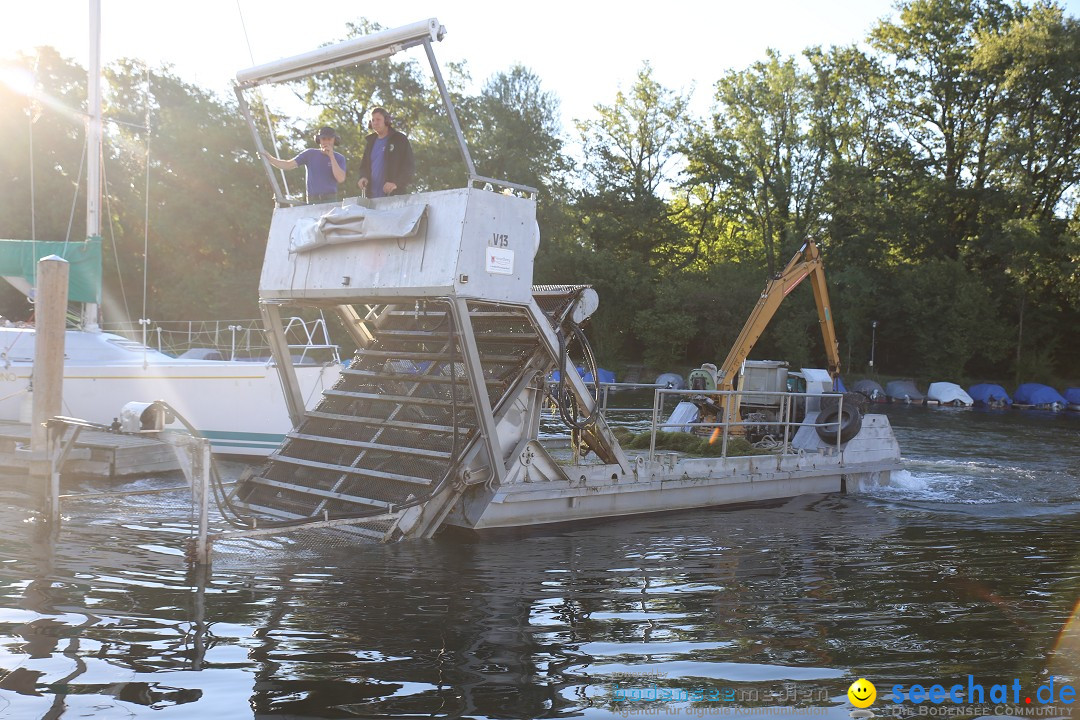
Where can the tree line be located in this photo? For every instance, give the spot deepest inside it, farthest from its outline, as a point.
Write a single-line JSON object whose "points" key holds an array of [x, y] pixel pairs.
{"points": [[936, 165]]}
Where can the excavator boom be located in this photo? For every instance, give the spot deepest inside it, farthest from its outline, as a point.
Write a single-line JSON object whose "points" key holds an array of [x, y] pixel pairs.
{"points": [[806, 263]]}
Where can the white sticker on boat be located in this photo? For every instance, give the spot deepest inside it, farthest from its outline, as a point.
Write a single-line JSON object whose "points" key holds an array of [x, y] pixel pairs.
{"points": [[500, 261]]}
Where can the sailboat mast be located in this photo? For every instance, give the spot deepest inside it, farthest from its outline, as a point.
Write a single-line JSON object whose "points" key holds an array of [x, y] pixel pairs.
{"points": [[93, 147]]}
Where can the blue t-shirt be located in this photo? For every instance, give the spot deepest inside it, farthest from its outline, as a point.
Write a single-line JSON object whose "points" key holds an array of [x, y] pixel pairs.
{"points": [[320, 176], [378, 166]]}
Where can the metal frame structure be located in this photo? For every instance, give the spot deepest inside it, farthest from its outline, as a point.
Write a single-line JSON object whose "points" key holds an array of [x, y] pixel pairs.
{"points": [[349, 53]]}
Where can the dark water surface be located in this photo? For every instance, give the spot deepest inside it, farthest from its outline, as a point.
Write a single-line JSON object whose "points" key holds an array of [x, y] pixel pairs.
{"points": [[967, 564]]}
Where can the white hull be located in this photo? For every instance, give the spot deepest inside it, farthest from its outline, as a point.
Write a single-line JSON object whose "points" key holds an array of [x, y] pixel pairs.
{"points": [[238, 405]]}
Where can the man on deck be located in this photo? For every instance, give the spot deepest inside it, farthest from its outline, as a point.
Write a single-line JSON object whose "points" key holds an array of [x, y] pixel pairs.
{"points": [[325, 167], [387, 167]]}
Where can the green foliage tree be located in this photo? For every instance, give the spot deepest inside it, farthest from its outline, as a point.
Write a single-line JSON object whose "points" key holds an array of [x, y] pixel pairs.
{"points": [[939, 170], [947, 106], [765, 129], [203, 213], [517, 136], [624, 221], [41, 118], [42, 188], [629, 147], [975, 164], [1037, 154], [707, 207]]}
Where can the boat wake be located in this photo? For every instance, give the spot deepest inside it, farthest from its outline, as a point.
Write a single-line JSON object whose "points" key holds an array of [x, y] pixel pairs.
{"points": [[952, 484], [937, 487]]}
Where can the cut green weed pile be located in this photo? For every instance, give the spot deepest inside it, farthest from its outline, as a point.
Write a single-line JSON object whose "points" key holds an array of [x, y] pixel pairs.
{"points": [[687, 443]]}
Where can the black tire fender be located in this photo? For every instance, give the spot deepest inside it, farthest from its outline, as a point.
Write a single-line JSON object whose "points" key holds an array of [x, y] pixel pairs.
{"points": [[850, 421]]}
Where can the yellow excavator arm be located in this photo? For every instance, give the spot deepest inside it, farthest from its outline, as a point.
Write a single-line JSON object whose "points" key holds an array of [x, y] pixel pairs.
{"points": [[806, 263]]}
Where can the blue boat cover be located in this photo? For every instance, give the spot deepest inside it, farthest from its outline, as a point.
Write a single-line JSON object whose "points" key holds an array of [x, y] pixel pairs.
{"points": [[1072, 395], [1037, 394], [606, 376], [988, 393]]}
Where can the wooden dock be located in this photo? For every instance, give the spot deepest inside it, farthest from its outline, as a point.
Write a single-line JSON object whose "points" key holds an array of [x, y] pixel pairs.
{"points": [[96, 453]]}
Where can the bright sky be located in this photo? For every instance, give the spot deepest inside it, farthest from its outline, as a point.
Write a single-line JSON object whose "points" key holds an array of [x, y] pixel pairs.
{"points": [[582, 51]]}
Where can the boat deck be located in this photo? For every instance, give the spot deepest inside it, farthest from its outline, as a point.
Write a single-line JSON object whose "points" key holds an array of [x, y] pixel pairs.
{"points": [[545, 488]]}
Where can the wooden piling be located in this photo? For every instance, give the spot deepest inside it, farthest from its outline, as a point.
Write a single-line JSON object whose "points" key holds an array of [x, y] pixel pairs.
{"points": [[50, 313]]}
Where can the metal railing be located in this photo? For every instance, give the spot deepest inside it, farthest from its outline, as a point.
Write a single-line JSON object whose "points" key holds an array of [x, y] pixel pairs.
{"points": [[727, 427], [733, 398], [313, 334], [607, 388], [231, 339]]}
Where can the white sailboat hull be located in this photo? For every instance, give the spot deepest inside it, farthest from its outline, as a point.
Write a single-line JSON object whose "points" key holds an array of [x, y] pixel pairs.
{"points": [[239, 405]]}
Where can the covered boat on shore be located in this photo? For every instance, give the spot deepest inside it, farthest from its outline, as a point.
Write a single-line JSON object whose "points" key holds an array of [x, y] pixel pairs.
{"points": [[872, 390], [1038, 396], [990, 395], [904, 391], [1072, 398], [947, 393]]}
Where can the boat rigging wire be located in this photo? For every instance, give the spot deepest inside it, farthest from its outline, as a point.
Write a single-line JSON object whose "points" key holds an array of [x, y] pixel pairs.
{"points": [[143, 320], [112, 240], [32, 116], [75, 196]]}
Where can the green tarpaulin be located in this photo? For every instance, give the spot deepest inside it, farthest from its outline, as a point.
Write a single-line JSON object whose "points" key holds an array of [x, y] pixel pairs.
{"points": [[18, 258]]}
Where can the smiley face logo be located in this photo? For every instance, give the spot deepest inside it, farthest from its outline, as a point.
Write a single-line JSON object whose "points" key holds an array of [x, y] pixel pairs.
{"points": [[862, 693]]}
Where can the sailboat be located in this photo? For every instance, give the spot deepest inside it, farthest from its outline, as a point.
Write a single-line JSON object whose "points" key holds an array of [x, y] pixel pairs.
{"points": [[238, 404]]}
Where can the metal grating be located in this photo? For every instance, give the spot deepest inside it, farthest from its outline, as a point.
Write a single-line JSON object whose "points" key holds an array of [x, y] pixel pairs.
{"points": [[506, 341], [555, 300], [391, 432]]}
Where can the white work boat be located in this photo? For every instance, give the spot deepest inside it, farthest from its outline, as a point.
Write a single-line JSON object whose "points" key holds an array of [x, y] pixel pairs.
{"points": [[436, 420], [238, 404]]}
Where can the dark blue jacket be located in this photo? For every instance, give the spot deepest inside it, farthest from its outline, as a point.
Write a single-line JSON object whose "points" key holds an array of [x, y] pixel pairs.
{"points": [[399, 160]]}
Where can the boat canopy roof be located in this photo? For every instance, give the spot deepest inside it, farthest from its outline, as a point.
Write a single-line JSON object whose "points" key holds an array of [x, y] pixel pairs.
{"points": [[18, 265], [353, 51]]}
